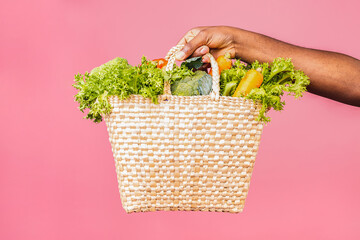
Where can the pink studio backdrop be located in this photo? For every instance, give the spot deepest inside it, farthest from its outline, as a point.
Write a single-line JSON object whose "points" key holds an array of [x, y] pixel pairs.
{"points": [[57, 173]]}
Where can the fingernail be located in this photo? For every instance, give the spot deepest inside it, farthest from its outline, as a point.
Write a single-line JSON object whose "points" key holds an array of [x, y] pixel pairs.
{"points": [[180, 55], [203, 50]]}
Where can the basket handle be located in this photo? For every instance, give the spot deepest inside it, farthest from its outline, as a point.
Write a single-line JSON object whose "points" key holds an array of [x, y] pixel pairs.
{"points": [[215, 92]]}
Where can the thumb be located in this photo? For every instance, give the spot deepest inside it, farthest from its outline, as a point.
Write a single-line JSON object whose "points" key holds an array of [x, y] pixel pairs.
{"points": [[190, 47]]}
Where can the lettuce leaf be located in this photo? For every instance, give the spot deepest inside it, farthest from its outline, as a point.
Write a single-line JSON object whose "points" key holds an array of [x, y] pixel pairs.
{"points": [[118, 78], [234, 74], [279, 78], [193, 63]]}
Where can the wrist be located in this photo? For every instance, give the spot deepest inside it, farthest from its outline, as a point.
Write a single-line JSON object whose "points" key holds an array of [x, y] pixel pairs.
{"points": [[245, 44]]}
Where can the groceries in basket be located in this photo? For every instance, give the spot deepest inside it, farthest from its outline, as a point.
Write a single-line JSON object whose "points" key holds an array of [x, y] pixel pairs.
{"points": [[183, 139], [118, 78]]}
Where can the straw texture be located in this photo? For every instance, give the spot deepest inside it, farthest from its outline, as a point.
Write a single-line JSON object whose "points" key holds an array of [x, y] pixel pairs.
{"points": [[187, 153]]}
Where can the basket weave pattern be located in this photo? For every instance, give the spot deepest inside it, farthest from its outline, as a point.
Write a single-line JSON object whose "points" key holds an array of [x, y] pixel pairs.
{"points": [[185, 153]]}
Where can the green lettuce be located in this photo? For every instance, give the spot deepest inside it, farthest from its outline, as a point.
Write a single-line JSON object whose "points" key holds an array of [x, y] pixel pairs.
{"points": [[118, 78], [231, 76], [279, 77]]}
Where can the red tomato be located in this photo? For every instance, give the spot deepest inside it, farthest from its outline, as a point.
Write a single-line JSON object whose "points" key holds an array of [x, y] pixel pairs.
{"points": [[161, 62]]}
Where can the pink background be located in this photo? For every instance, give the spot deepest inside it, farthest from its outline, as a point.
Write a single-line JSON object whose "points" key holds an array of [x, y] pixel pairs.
{"points": [[57, 174]]}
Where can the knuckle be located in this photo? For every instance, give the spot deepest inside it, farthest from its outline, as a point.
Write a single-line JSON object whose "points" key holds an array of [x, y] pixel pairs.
{"points": [[187, 48], [202, 33]]}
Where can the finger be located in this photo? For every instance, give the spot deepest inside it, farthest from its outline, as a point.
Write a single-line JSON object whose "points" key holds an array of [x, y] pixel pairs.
{"points": [[189, 35], [205, 59], [214, 53], [201, 51], [189, 48]]}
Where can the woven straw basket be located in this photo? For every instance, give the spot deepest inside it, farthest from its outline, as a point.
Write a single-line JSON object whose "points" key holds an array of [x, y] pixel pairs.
{"points": [[187, 153]]}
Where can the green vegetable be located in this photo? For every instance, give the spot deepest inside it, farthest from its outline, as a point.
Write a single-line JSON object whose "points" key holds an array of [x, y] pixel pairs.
{"points": [[234, 74], [177, 74], [230, 88], [279, 77], [192, 63], [198, 84], [118, 78]]}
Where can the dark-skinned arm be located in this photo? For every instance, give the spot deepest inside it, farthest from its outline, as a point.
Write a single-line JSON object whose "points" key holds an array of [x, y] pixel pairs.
{"points": [[332, 75]]}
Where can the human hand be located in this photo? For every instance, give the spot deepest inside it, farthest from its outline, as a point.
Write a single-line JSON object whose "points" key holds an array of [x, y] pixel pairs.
{"points": [[217, 40], [333, 75]]}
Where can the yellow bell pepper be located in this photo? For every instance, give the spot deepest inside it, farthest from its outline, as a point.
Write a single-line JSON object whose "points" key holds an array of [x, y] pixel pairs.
{"points": [[252, 79]]}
